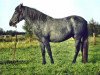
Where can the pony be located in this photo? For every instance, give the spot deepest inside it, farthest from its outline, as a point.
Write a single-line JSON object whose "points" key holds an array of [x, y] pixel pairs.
{"points": [[48, 29]]}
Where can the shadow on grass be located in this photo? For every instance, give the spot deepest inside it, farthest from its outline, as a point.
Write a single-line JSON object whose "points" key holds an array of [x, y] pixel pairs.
{"points": [[14, 61]]}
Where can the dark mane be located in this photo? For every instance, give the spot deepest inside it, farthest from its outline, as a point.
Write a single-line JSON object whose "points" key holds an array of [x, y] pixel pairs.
{"points": [[35, 14]]}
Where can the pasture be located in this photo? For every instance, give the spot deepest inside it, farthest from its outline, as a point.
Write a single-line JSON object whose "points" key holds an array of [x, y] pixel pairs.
{"points": [[28, 59]]}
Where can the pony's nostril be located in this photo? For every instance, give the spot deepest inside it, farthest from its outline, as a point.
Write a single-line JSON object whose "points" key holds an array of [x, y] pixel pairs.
{"points": [[15, 21], [11, 23]]}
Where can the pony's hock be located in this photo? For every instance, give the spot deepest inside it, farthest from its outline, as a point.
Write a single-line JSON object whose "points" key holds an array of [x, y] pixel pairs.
{"points": [[48, 29]]}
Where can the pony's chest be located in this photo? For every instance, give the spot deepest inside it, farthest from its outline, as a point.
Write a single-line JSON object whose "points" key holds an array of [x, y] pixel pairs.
{"points": [[38, 31]]}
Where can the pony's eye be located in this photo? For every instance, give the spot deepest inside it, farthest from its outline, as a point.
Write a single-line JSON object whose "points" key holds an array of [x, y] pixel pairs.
{"points": [[15, 12]]}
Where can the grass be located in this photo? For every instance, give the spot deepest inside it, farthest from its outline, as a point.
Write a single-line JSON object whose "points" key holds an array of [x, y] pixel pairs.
{"points": [[28, 60]]}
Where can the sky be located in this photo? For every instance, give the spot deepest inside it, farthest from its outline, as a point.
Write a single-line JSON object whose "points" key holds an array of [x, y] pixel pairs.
{"points": [[87, 9]]}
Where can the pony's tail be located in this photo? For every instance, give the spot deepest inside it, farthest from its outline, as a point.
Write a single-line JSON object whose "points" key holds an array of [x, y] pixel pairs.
{"points": [[85, 46], [85, 51]]}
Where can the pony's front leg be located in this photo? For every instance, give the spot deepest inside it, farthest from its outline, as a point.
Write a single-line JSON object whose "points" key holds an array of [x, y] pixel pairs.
{"points": [[47, 45], [43, 53]]}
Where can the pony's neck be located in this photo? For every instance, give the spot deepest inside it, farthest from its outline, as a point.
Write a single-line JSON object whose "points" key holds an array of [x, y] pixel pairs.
{"points": [[33, 15], [27, 15]]}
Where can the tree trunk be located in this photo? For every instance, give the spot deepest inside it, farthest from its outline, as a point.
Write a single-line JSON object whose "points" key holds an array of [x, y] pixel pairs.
{"points": [[94, 38]]}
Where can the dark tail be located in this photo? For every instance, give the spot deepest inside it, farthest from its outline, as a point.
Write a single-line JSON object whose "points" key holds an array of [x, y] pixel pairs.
{"points": [[85, 51], [84, 46]]}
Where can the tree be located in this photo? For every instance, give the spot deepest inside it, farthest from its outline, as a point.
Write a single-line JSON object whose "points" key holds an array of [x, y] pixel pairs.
{"points": [[28, 30], [1, 31], [92, 24], [98, 29], [92, 29], [11, 32]]}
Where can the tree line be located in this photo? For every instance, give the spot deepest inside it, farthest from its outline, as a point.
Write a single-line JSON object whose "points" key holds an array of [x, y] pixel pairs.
{"points": [[94, 27], [10, 32]]}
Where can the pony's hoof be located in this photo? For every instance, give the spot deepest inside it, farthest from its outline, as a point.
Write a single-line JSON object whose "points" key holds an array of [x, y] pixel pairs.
{"points": [[44, 62], [82, 61], [52, 62], [73, 62]]}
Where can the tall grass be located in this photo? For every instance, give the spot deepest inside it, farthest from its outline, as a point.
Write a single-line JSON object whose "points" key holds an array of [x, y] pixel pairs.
{"points": [[28, 59]]}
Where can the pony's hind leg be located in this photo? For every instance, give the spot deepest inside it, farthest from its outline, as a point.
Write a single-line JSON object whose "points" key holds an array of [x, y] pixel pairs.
{"points": [[77, 47]]}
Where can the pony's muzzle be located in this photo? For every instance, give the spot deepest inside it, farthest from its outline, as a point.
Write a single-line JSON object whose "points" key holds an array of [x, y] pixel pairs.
{"points": [[12, 24]]}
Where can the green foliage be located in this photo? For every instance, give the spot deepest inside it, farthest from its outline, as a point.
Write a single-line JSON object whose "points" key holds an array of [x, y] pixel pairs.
{"points": [[29, 33], [10, 32], [94, 27], [28, 59], [27, 28], [1, 31]]}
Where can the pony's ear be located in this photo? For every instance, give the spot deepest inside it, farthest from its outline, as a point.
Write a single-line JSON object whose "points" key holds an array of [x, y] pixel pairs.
{"points": [[21, 5]]}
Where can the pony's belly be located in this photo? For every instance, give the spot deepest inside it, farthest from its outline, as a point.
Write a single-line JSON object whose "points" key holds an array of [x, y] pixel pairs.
{"points": [[59, 38]]}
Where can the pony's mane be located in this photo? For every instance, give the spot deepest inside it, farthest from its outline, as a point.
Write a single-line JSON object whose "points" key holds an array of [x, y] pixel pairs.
{"points": [[35, 14]]}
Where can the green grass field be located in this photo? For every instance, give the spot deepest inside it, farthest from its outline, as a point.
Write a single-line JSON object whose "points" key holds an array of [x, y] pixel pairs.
{"points": [[28, 60]]}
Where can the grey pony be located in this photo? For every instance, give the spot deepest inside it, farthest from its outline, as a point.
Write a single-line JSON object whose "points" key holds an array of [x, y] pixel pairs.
{"points": [[48, 29]]}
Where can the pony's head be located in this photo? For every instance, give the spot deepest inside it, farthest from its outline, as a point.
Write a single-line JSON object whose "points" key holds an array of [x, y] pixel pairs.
{"points": [[17, 16]]}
